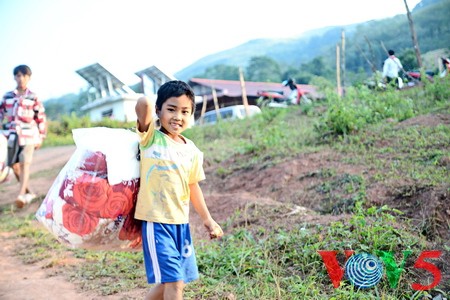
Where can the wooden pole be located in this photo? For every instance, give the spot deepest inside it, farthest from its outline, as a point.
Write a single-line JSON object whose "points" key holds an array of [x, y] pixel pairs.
{"points": [[338, 70], [343, 60], [372, 55], [244, 92], [372, 66], [413, 35], [216, 103], [205, 99]]}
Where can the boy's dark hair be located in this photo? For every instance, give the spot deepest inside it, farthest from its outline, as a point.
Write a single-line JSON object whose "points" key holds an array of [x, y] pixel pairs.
{"points": [[174, 88], [391, 52], [24, 69]]}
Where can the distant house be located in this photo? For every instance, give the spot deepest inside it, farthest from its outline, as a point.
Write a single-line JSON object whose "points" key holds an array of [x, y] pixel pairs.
{"points": [[229, 92], [109, 97]]}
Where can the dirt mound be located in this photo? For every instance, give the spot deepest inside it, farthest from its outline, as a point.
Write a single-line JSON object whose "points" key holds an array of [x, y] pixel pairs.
{"points": [[426, 120], [292, 182]]}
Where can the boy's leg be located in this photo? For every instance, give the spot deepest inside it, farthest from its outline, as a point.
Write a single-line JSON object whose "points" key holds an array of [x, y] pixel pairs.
{"points": [[174, 290], [16, 171], [156, 292], [168, 291], [24, 177], [25, 159]]}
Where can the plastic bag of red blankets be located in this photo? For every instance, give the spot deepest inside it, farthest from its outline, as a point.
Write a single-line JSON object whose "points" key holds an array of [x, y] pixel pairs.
{"points": [[91, 202]]}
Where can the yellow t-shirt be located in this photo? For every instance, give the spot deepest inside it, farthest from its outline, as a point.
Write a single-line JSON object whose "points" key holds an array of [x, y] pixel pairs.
{"points": [[167, 168]]}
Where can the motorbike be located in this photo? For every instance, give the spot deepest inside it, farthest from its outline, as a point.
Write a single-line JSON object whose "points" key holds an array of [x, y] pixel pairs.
{"points": [[277, 99], [377, 83]]}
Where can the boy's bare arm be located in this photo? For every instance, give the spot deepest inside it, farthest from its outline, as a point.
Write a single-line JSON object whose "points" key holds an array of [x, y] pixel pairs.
{"points": [[144, 113], [198, 201]]}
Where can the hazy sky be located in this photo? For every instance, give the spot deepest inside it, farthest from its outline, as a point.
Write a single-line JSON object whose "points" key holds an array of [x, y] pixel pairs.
{"points": [[57, 37]]}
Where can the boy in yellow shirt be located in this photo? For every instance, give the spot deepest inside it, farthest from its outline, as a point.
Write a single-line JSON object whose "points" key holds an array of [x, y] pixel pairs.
{"points": [[171, 167]]}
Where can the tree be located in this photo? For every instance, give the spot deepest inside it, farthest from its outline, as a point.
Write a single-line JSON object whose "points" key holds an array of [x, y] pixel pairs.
{"points": [[409, 60], [263, 68], [221, 71]]}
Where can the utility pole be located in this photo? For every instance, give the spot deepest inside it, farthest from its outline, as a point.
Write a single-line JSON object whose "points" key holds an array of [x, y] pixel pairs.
{"points": [[413, 35]]}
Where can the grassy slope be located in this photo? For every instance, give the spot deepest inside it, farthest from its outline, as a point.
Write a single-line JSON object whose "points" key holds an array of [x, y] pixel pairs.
{"points": [[277, 258]]}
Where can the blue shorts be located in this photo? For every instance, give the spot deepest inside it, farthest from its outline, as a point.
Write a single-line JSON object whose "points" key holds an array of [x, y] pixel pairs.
{"points": [[169, 254]]}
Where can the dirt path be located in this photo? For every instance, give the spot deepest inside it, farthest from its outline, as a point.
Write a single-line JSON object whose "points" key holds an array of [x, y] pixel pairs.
{"points": [[21, 281], [45, 167], [18, 280]]}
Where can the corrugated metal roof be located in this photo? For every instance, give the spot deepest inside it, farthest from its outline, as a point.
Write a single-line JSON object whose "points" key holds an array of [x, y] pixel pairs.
{"points": [[232, 88], [97, 76]]}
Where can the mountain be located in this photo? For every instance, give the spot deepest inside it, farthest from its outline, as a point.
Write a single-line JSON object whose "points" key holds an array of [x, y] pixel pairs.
{"points": [[431, 23]]}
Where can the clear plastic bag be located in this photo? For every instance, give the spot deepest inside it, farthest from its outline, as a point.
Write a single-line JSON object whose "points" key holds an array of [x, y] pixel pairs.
{"points": [[91, 202]]}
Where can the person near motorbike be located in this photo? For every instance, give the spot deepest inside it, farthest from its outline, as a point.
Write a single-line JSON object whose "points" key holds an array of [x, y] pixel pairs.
{"points": [[391, 67], [297, 95], [277, 99]]}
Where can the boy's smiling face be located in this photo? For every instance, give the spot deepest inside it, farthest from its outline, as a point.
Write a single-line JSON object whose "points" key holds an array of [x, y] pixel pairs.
{"points": [[175, 115]]}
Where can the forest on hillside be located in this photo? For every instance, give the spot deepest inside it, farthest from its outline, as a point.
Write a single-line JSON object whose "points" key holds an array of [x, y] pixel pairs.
{"points": [[365, 48]]}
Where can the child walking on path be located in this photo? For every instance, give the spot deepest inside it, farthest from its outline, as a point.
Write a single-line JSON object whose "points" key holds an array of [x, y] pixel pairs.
{"points": [[25, 128], [171, 168]]}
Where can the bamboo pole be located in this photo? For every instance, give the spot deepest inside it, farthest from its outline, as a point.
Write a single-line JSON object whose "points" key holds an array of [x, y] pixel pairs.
{"points": [[244, 92], [338, 71]]}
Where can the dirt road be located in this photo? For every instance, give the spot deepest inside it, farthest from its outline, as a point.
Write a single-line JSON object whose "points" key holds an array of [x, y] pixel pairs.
{"points": [[48, 162]]}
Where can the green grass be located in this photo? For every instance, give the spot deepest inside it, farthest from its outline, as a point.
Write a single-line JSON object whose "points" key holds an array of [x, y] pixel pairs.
{"points": [[282, 262], [277, 265]]}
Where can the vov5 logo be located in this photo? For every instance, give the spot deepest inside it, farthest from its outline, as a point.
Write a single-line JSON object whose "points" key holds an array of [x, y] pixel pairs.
{"points": [[365, 270]]}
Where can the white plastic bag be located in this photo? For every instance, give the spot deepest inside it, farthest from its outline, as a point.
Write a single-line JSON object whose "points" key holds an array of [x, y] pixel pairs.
{"points": [[4, 169], [91, 202], [120, 147]]}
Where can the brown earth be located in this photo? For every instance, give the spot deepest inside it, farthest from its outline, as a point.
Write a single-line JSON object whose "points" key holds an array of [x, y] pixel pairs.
{"points": [[273, 196]]}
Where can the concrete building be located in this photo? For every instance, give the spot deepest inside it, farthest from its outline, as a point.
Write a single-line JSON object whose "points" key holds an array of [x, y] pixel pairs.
{"points": [[109, 97]]}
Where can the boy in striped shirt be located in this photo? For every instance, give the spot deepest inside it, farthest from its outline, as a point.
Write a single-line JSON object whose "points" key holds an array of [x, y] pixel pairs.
{"points": [[24, 124]]}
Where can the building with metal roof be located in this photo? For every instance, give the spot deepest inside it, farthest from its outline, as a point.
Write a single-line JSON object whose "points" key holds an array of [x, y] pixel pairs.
{"points": [[109, 97]]}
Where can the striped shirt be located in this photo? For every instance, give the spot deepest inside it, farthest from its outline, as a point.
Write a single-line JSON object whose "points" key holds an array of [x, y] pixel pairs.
{"points": [[24, 115]]}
